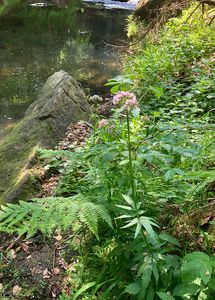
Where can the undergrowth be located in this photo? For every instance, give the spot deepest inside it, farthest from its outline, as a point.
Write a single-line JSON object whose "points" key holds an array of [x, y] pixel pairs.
{"points": [[140, 171]]}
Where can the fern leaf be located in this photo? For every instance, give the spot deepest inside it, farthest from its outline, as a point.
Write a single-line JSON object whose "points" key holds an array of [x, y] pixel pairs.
{"points": [[52, 213]]}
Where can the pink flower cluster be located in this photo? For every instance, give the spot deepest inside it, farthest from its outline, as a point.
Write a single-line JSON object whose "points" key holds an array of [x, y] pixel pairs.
{"points": [[125, 100], [103, 123]]}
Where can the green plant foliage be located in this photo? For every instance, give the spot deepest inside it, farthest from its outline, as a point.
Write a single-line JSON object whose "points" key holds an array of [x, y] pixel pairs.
{"points": [[197, 277], [52, 213], [133, 169], [174, 74]]}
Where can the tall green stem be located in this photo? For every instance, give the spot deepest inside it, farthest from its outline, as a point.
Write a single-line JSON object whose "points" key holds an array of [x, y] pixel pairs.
{"points": [[131, 172]]}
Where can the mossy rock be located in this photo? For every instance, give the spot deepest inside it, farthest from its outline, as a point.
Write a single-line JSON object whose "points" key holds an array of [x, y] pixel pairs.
{"points": [[60, 103]]}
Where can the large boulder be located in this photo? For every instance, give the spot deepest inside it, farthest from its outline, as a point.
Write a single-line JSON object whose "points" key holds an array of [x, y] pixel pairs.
{"points": [[60, 103]]}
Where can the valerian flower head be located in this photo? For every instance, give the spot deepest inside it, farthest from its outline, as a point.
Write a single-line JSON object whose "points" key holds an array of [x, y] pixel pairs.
{"points": [[103, 123], [125, 100]]}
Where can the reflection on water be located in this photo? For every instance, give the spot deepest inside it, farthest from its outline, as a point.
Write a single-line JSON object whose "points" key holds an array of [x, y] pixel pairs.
{"points": [[109, 4], [37, 41]]}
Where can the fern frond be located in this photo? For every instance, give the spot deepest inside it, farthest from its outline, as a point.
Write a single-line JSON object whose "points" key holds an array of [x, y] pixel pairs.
{"points": [[52, 213]]}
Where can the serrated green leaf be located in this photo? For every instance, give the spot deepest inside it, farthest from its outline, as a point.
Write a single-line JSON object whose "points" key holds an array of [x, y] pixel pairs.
{"points": [[145, 279], [165, 296], [189, 289], [109, 156], [211, 284], [133, 288], [171, 173], [196, 265], [150, 293]]}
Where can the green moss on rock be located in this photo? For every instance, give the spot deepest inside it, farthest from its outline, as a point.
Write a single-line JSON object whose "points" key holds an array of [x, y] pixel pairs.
{"points": [[60, 103]]}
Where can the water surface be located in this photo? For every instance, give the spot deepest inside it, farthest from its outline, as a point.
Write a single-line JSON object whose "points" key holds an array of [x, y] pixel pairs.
{"points": [[36, 41]]}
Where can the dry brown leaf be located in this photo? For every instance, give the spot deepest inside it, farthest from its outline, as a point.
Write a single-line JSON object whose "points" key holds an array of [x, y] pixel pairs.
{"points": [[16, 290], [56, 271], [58, 237], [28, 242], [17, 249], [62, 263], [71, 268], [35, 270], [25, 247], [206, 220], [12, 253], [46, 274]]}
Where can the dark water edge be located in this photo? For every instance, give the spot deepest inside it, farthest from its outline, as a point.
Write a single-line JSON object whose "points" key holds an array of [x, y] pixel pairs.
{"points": [[35, 42]]}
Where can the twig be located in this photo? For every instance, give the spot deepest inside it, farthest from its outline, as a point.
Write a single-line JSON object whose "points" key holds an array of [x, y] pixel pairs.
{"points": [[54, 257], [134, 43], [211, 20], [203, 2], [193, 12], [14, 242], [155, 167], [116, 46]]}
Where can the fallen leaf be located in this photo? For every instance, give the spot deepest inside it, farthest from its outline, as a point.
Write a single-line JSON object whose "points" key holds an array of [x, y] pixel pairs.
{"points": [[28, 242], [46, 274], [17, 249], [62, 263], [206, 220], [56, 271], [58, 237], [1, 287], [16, 290], [25, 247], [12, 253]]}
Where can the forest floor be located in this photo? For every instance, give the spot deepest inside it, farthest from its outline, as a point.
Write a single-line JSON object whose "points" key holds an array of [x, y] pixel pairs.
{"points": [[39, 263]]}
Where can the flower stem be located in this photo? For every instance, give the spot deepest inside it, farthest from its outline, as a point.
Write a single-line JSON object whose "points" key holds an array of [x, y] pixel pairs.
{"points": [[130, 159]]}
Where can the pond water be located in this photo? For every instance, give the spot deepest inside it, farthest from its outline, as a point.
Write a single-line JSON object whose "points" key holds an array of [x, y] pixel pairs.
{"points": [[37, 40]]}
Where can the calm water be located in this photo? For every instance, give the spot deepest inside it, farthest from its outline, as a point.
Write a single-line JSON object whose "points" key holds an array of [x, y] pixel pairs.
{"points": [[37, 41]]}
